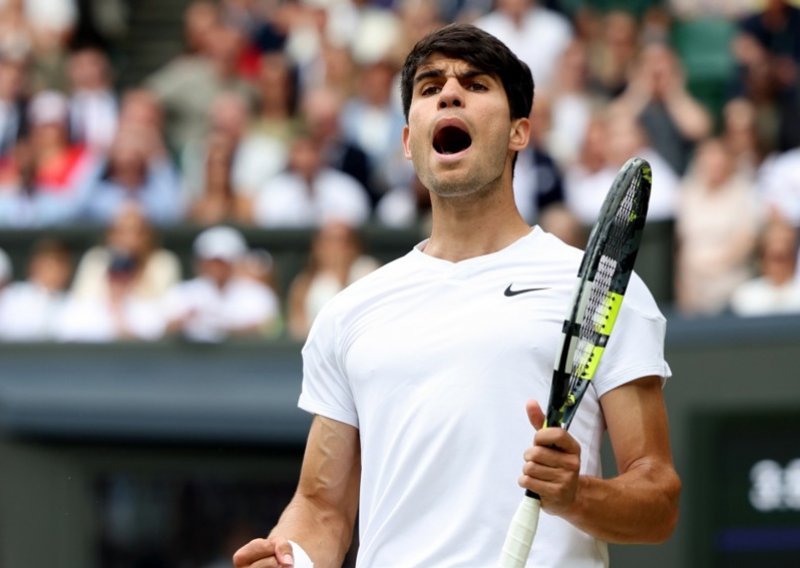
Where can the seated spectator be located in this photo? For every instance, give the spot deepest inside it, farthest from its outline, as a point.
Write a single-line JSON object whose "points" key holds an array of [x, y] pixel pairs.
{"points": [[405, 206], [30, 309], [310, 193], [213, 168], [137, 170], [612, 55], [131, 247], [571, 104], [321, 107], [220, 302], [93, 104], [559, 221], [13, 122], [779, 184], [767, 52], [372, 119], [537, 34], [120, 315], [187, 85], [716, 226], [776, 289], [538, 180], [611, 139], [336, 260], [56, 172], [118, 286], [741, 134], [657, 96]]}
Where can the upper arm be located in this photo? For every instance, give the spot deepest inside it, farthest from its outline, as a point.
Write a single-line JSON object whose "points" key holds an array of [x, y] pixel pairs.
{"points": [[636, 418]]}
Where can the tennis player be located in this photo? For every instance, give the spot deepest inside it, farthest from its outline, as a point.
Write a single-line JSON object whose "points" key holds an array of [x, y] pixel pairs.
{"points": [[419, 373]]}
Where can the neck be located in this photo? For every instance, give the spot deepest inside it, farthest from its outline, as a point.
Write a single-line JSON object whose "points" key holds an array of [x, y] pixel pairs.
{"points": [[475, 225]]}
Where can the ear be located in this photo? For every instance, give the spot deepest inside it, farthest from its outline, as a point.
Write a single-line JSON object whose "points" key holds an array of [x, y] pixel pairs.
{"points": [[406, 149], [520, 134]]}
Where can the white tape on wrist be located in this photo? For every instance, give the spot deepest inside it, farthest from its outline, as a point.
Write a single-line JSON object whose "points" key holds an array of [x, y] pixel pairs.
{"points": [[301, 559]]}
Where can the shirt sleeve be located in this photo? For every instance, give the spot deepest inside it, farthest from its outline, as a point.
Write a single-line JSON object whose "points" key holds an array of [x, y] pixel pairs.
{"points": [[326, 390], [636, 346]]}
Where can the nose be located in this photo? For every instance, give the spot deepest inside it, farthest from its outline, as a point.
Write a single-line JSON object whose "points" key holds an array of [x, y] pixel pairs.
{"points": [[451, 95]]}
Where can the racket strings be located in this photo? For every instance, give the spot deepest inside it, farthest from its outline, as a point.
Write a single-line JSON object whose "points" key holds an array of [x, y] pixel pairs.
{"points": [[608, 266]]}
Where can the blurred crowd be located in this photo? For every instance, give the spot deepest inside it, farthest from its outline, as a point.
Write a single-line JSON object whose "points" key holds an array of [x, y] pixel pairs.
{"points": [[286, 114]]}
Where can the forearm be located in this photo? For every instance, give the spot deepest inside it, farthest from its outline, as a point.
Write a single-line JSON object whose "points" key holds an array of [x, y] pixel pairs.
{"points": [[638, 506], [323, 533], [691, 118]]}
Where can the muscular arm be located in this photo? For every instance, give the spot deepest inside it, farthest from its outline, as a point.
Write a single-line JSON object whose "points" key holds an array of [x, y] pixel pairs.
{"points": [[640, 505], [321, 515]]}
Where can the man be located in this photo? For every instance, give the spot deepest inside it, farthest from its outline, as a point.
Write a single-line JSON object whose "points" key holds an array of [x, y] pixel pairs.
{"points": [[418, 373]]}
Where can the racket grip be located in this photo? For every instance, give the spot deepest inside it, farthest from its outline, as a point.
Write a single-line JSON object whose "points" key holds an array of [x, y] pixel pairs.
{"points": [[519, 538]]}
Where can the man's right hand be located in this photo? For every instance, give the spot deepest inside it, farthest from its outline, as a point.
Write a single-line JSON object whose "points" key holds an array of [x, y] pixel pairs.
{"points": [[272, 552]]}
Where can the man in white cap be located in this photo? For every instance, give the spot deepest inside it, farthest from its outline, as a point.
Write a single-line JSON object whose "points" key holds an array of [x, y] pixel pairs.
{"points": [[221, 302]]}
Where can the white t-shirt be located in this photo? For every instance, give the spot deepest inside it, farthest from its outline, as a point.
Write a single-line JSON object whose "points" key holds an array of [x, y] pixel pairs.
{"points": [[288, 201], [213, 312], [539, 40], [433, 364], [29, 312]]}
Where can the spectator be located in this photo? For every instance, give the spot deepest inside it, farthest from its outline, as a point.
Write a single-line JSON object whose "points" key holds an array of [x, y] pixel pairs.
{"points": [[56, 173], [538, 181], [16, 32], [776, 290], [120, 315], [93, 103], [657, 96], [716, 227], [536, 34], [264, 150], [188, 85], [613, 55], [559, 221], [137, 170], [30, 309], [130, 246], [220, 302], [767, 50], [405, 206], [213, 167], [741, 134], [571, 104], [13, 122], [612, 138], [49, 25], [336, 260], [321, 108], [373, 120], [779, 184], [310, 193]]}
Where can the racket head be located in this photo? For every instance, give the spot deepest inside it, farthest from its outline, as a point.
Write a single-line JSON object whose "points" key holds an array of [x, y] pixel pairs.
{"points": [[603, 277]]}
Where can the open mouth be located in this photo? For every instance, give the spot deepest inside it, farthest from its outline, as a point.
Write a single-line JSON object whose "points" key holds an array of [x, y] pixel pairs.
{"points": [[451, 140]]}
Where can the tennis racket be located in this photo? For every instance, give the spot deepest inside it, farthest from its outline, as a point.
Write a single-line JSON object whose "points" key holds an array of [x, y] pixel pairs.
{"points": [[603, 277]]}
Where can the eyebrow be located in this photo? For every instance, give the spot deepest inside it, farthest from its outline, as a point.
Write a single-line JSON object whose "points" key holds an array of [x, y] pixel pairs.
{"points": [[435, 73]]}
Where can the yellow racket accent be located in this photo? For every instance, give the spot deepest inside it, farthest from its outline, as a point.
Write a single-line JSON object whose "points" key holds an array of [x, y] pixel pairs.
{"points": [[593, 361], [610, 311]]}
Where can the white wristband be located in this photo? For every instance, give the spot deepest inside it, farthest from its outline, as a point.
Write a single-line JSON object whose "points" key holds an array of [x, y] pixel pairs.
{"points": [[301, 559]]}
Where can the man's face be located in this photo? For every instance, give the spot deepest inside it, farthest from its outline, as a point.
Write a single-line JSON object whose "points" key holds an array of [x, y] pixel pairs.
{"points": [[460, 135]]}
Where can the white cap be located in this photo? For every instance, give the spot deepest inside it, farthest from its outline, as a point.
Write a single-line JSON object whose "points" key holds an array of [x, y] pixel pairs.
{"points": [[5, 267], [48, 107], [221, 243]]}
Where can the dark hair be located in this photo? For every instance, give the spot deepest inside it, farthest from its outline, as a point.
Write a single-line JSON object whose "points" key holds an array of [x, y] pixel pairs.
{"points": [[482, 51]]}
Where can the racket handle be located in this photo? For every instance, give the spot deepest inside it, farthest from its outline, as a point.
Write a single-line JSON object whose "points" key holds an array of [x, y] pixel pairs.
{"points": [[519, 538]]}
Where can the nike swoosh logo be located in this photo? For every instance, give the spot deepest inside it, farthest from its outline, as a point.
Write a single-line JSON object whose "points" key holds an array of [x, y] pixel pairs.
{"points": [[509, 292]]}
